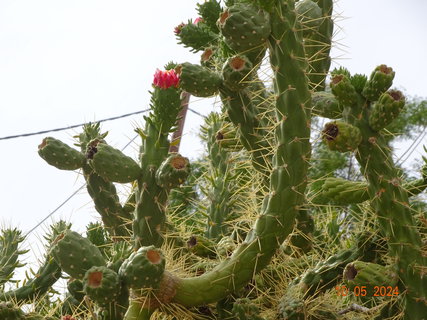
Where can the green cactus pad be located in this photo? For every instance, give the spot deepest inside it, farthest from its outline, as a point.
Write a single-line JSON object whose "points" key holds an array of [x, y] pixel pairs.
{"points": [[10, 240], [198, 80], [112, 164], [244, 27], [60, 155], [386, 109], [75, 289], [195, 36], [343, 90], [370, 275], [380, 81], [144, 268], [76, 254], [102, 285], [326, 105], [237, 72], [341, 136], [173, 171], [309, 14]]}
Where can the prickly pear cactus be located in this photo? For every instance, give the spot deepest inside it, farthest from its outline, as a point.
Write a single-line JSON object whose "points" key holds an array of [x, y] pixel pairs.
{"points": [[102, 285]]}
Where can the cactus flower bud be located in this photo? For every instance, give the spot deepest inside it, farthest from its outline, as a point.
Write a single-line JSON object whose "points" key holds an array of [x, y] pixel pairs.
{"points": [[165, 79]]}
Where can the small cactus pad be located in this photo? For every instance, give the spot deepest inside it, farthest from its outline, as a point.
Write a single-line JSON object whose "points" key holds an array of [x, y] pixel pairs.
{"points": [[244, 309], [380, 81], [196, 36], [209, 11], [144, 268], [198, 80], [237, 72], [60, 155], [75, 254], [341, 136], [309, 14], [244, 27], [111, 163], [386, 109], [173, 171], [102, 285]]}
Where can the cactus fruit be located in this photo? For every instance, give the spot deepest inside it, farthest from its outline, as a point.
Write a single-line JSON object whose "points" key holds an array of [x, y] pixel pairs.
{"points": [[326, 105], [144, 268], [237, 72], [369, 275], [341, 136], [102, 285], [198, 80], [111, 164], [173, 171], [343, 89], [379, 82], [60, 155], [244, 27], [309, 15], [386, 109], [76, 254]]}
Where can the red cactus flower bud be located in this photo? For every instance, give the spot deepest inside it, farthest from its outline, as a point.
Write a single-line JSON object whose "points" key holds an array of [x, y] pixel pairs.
{"points": [[197, 20], [67, 317], [165, 79], [178, 28]]}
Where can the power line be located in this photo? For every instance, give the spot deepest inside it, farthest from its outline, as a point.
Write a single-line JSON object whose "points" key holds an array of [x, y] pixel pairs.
{"points": [[82, 124], [71, 127]]}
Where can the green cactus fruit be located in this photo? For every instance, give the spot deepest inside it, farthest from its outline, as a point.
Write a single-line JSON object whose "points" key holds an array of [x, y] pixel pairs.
{"points": [[237, 72], [326, 105], [209, 11], [102, 285], [201, 246], [60, 155], [309, 15], [343, 90], [386, 109], [173, 171], [9, 312], [196, 36], [198, 80], [244, 27], [144, 268], [244, 309], [369, 275], [380, 81], [75, 289], [112, 164], [76, 254], [291, 309], [341, 136]]}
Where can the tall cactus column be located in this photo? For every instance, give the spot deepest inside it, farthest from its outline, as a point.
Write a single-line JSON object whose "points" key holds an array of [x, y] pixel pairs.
{"points": [[368, 109], [288, 180]]}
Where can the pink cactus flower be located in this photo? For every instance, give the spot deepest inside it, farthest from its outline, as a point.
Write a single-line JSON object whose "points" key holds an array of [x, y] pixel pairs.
{"points": [[197, 20], [165, 79]]}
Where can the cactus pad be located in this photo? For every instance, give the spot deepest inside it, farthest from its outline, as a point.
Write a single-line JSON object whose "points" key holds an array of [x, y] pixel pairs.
{"points": [[237, 72], [76, 254], [60, 155], [244, 27], [198, 80]]}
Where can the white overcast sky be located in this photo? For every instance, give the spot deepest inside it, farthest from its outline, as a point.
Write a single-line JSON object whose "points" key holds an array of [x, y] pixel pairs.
{"points": [[67, 62]]}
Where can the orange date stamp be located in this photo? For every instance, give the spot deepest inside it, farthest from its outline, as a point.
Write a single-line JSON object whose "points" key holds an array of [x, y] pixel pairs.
{"points": [[363, 291]]}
